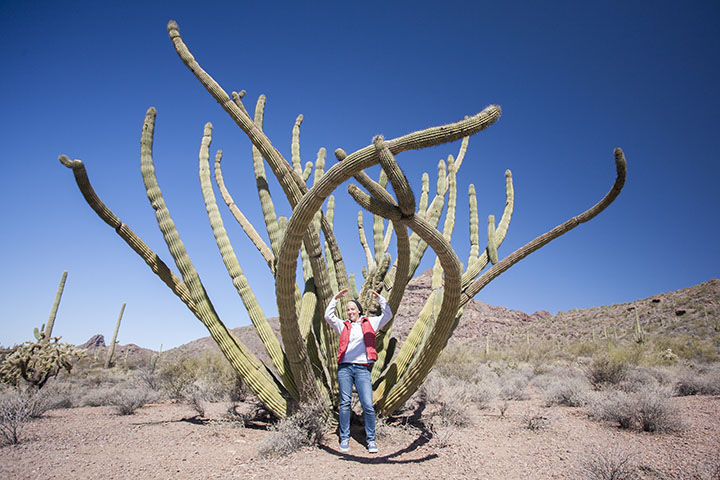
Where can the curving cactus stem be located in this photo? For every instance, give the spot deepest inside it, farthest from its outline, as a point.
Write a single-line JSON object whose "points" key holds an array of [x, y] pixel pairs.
{"points": [[304, 368]]}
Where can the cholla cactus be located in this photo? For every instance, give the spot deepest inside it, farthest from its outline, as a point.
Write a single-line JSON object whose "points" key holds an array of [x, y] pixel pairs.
{"points": [[38, 362], [304, 366]]}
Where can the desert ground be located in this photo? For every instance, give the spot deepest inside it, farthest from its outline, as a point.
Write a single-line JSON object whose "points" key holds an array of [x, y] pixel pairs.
{"points": [[169, 440]]}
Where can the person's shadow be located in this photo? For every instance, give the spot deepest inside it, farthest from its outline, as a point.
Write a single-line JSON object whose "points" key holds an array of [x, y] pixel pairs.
{"points": [[357, 433]]}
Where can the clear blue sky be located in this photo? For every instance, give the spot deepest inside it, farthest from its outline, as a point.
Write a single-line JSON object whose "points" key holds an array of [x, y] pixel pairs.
{"points": [[574, 79]]}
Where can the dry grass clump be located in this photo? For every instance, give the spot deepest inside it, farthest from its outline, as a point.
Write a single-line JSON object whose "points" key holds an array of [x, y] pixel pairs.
{"points": [[305, 428], [648, 411], [609, 464]]}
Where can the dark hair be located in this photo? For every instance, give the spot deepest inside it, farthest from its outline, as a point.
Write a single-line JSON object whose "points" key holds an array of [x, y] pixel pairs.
{"points": [[360, 309]]}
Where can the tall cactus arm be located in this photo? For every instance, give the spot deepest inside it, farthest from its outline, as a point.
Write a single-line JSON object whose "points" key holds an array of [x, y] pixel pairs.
{"points": [[111, 349], [247, 227], [474, 269], [350, 166], [257, 317], [252, 370], [449, 224], [390, 396], [239, 357], [424, 193], [461, 153], [379, 224], [492, 246], [158, 267], [425, 359], [53, 311], [237, 98], [363, 242], [312, 201], [388, 236], [403, 192], [474, 226], [308, 170], [295, 147], [266, 202], [293, 186], [522, 252]]}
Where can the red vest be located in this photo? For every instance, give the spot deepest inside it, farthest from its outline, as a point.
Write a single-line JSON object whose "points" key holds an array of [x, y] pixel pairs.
{"points": [[368, 337]]}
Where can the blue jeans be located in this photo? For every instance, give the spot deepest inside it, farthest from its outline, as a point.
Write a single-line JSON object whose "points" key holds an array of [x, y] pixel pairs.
{"points": [[349, 373]]}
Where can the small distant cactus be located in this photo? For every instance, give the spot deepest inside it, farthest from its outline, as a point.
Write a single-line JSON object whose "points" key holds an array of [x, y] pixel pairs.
{"points": [[305, 368], [639, 333], [39, 361], [111, 349]]}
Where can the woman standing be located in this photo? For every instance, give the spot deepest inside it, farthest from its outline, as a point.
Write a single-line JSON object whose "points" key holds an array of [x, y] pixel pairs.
{"points": [[355, 360]]}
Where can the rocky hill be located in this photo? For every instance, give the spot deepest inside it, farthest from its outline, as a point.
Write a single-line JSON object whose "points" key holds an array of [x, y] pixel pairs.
{"points": [[690, 311]]}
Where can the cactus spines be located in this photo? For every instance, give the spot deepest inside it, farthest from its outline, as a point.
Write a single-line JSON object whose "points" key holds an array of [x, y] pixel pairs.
{"points": [[113, 342], [308, 345]]}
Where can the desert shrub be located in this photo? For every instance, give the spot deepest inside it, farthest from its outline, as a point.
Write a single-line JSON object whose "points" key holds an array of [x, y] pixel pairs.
{"points": [[637, 379], [654, 412], [53, 396], [128, 399], [513, 385], [196, 397], [305, 428], [568, 392], [648, 411], [449, 395], [604, 371], [211, 372], [611, 464], [702, 381], [16, 408], [97, 397], [177, 376], [617, 407]]}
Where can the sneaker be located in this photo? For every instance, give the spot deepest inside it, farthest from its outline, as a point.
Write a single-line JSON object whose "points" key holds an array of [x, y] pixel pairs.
{"points": [[372, 447], [345, 445]]}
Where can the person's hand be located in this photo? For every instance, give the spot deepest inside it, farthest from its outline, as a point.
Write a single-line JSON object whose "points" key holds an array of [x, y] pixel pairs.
{"points": [[341, 293], [375, 294]]}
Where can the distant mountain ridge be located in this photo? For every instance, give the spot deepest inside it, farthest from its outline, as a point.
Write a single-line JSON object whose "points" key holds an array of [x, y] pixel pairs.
{"points": [[671, 309]]}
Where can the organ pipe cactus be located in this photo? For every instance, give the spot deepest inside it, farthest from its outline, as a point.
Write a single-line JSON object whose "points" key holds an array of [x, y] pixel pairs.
{"points": [[303, 369]]}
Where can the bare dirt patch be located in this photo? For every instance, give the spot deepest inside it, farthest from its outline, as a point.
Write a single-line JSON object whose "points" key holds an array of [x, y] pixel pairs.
{"points": [[168, 441]]}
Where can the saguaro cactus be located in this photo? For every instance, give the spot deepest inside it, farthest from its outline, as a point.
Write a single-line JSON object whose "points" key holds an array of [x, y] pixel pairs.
{"points": [[45, 332], [304, 366], [111, 348]]}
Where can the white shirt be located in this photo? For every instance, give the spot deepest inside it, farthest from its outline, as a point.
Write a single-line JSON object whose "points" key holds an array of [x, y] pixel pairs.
{"points": [[356, 352]]}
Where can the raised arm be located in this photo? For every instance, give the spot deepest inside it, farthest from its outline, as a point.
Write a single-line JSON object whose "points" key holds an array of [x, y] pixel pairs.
{"points": [[386, 314]]}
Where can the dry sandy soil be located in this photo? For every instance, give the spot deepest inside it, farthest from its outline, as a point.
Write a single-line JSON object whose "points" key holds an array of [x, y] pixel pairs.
{"points": [[166, 441]]}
